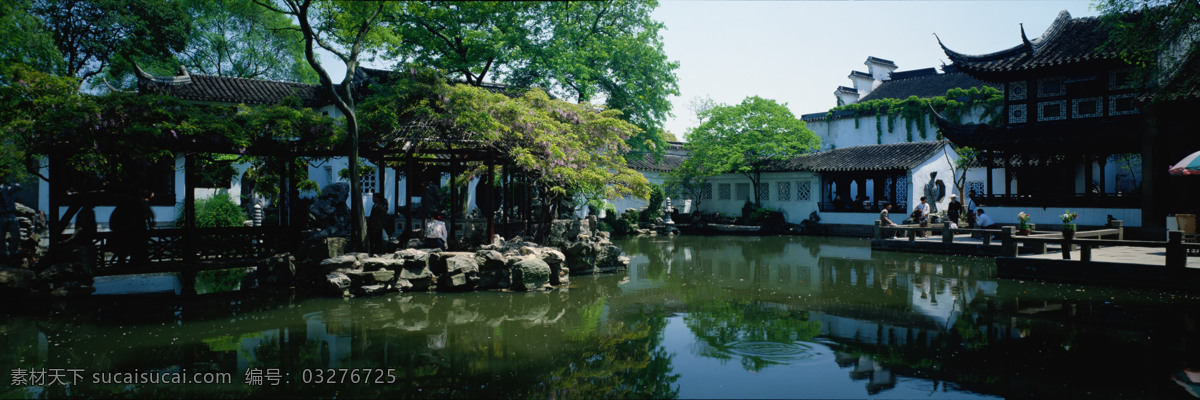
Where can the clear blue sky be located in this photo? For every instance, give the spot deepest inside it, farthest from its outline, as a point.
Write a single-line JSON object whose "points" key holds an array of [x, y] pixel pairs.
{"points": [[798, 52]]}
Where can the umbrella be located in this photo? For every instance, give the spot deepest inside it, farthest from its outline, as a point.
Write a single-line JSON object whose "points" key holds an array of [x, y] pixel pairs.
{"points": [[1189, 165]]}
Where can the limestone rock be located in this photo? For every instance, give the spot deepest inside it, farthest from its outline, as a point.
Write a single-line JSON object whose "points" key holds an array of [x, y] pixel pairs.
{"points": [[337, 283], [493, 270], [378, 263], [418, 277], [455, 270], [14, 279], [347, 261], [529, 273]]}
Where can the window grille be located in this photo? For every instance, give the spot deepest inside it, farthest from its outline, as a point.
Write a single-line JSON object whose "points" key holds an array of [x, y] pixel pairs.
{"points": [[764, 191], [743, 192], [706, 191], [723, 191], [785, 191], [803, 191]]}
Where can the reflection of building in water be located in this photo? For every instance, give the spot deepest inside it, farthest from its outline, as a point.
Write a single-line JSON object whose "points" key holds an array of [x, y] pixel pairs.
{"points": [[878, 377]]}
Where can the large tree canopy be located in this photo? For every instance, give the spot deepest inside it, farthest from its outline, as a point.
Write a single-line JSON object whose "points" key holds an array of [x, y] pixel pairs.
{"points": [[1157, 36], [568, 149], [608, 51], [742, 138], [93, 35], [240, 39]]}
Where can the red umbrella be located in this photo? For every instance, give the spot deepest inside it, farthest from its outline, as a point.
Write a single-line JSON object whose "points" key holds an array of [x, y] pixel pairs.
{"points": [[1189, 165]]}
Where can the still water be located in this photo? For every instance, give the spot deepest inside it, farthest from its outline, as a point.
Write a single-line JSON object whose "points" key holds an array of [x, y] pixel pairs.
{"points": [[693, 317]]}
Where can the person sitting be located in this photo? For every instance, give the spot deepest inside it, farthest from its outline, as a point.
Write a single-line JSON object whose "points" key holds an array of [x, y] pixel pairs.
{"points": [[921, 215], [984, 221], [886, 221]]}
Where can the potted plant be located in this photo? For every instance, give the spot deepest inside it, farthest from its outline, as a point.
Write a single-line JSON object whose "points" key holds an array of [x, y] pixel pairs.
{"points": [[1023, 224], [1068, 220]]}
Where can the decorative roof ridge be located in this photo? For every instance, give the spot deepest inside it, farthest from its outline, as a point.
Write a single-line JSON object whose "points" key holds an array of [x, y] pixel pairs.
{"points": [[854, 73], [182, 79], [1056, 28], [898, 76], [847, 89], [881, 61]]}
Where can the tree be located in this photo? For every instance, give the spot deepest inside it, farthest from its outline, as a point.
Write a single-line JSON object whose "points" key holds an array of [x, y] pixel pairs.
{"points": [[93, 35], [743, 138], [26, 40], [238, 38], [348, 30], [582, 51], [565, 149], [1156, 36]]}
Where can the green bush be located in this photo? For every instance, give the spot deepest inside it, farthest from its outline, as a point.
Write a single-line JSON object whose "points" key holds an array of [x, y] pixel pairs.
{"points": [[654, 208], [216, 211], [604, 226], [632, 216], [623, 227], [767, 218]]}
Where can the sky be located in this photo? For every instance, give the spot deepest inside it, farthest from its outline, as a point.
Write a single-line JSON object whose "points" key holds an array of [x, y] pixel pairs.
{"points": [[799, 52]]}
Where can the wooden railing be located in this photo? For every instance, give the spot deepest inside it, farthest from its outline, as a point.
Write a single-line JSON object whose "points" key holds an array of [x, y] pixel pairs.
{"points": [[828, 206], [1037, 241], [174, 245]]}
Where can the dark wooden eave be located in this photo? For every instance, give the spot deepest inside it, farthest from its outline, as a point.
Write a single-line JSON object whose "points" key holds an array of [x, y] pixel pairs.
{"points": [[1113, 135], [1066, 45]]}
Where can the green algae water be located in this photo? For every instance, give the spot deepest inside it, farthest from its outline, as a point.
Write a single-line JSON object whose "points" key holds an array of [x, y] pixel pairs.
{"points": [[692, 317]]}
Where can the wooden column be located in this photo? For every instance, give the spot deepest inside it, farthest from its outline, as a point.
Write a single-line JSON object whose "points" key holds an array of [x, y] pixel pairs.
{"points": [[409, 177], [1087, 174], [55, 199], [453, 202], [1008, 177], [1102, 161], [508, 199], [187, 277], [988, 159]]}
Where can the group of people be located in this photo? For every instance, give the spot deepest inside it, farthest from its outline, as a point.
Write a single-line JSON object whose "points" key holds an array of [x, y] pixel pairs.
{"points": [[379, 222], [976, 217]]}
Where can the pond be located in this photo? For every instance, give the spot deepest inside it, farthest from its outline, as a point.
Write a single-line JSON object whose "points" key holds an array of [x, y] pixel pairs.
{"points": [[693, 317]]}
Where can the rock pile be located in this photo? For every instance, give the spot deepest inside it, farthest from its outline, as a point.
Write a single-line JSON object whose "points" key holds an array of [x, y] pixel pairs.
{"points": [[512, 265], [330, 212]]}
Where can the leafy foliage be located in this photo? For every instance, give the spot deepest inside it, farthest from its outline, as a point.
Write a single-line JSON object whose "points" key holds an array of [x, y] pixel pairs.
{"points": [[566, 149], [576, 50], [956, 105], [240, 39], [1155, 36], [93, 35], [742, 138], [26, 40], [217, 211]]}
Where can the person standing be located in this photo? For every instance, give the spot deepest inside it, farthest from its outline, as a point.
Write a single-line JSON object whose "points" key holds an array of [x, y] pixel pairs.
{"points": [[10, 229], [921, 212], [435, 233], [954, 210], [971, 209], [375, 224]]}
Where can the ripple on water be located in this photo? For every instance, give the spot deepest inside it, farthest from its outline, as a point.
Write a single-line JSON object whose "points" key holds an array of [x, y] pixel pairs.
{"points": [[776, 352]]}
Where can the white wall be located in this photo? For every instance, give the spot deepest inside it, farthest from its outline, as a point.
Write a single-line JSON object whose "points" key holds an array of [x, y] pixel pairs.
{"points": [[1047, 218], [794, 209], [919, 176], [840, 132]]}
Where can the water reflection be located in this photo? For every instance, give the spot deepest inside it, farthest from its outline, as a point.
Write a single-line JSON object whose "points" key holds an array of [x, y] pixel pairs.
{"points": [[694, 317]]}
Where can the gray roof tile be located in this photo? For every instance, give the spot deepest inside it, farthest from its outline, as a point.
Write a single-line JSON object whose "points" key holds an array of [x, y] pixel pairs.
{"points": [[864, 158]]}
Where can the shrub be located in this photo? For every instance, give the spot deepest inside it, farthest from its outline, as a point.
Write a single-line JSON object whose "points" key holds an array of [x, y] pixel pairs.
{"points": [[632, 216], [216, 211], [654, 207], [604, 226], [767, 218]]}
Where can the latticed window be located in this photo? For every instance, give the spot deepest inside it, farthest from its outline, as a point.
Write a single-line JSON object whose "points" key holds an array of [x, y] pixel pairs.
{"points": [[723, 191], [368, 181], [803, 191], [706, 191], [764, 191], [976, 186], [785, 191], [743, 191]]}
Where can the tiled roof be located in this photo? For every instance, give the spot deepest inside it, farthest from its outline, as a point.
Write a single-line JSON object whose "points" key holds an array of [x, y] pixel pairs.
{"points": [[864, 158], [849, 90], [881, 61], [221, 89], [861, 74], [897, 75], [1067, 41], [923, 86], [647, 163]]}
